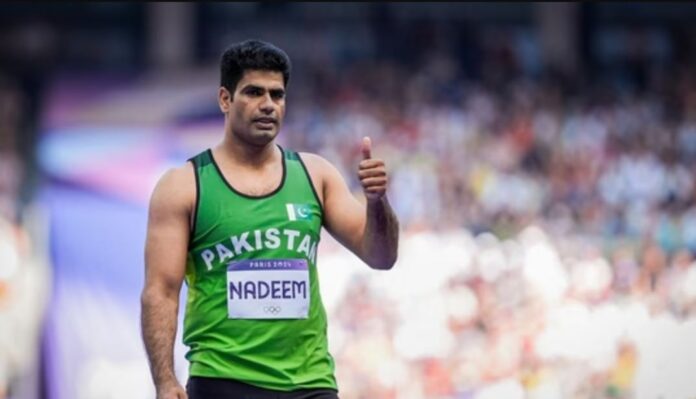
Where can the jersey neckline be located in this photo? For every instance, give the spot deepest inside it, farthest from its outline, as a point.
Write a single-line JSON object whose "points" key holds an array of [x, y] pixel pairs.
{"points": [[227, 183]]}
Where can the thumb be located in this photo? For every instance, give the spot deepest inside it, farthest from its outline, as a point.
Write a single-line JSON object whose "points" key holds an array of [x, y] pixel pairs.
{"points": [[366, 147]]}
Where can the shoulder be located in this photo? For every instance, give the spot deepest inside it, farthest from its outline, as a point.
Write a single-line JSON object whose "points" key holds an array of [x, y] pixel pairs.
{"points": [[311, 158], [316, 164], [325, 175], [176, 188], [177, 179]]}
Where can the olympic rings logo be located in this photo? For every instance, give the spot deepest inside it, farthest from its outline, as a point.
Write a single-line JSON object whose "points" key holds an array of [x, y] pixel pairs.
{"points": [[272, 309]]}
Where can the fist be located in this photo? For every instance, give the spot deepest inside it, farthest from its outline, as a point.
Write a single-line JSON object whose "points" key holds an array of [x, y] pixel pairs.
{"points": [[171, 391], [372, 173]]}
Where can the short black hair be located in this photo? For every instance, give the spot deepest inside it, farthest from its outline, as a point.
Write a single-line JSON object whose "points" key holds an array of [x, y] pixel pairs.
{"points": [[252, 55]]}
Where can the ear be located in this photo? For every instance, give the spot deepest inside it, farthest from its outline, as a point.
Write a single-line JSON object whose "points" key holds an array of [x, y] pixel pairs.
{"points": [[224, 99]]}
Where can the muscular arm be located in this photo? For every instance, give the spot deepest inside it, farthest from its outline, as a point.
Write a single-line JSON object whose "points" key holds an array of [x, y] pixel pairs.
{"points": [[370, 230], [381, 235], [165, 265]]}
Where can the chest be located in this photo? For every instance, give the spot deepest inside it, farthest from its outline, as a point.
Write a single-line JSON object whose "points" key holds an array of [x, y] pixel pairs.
{"points": [[253, 183]]}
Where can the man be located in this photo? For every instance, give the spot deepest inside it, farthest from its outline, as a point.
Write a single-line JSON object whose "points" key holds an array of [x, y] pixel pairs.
{"points": [[241, 224]]}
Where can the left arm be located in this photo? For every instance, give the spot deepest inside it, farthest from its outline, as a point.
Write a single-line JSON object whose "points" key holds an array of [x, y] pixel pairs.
{"points": [[381, 235], [371, 230]]}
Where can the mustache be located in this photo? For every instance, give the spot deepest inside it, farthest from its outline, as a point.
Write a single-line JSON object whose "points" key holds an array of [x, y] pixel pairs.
{"points": [[265, 119]]}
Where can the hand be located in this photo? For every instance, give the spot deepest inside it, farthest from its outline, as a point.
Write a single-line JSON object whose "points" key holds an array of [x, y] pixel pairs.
{"points": [[372, 173], [171, 391]]}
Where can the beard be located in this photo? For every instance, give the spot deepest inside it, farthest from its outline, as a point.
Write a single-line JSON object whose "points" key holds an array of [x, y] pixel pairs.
{"points": [[256, 137]]}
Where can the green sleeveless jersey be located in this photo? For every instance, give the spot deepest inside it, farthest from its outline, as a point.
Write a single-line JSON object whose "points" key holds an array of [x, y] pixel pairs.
{"points": [[254, 311]]}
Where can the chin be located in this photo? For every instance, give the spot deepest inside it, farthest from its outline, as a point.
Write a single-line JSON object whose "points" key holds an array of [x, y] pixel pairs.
{"points": [[263, 137]]}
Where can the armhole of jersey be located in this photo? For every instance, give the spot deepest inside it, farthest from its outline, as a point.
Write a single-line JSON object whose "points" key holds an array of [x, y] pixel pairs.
{"points": [[311, 184], [194, 220]]}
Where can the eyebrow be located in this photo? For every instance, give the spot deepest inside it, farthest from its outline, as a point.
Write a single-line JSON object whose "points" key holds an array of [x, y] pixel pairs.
{"points": [[252, 86]]}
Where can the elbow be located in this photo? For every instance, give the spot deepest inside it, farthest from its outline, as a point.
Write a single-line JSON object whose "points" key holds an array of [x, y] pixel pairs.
{"points": [[156, 295], [384, 264], [148, 297]]}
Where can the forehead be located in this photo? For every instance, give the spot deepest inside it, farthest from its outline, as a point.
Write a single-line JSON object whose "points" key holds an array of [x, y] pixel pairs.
{"points": [[261, 78]]}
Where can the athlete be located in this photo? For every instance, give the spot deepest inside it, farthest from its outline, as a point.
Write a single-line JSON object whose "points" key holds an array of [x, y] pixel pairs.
{"points": [[240, 223]]}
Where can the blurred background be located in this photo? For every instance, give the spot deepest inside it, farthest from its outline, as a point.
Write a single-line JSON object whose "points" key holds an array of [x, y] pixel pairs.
{"points": [[542, 162]]}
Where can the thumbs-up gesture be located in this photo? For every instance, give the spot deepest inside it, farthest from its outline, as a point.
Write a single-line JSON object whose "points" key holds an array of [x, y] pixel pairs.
{"points": [[372, 173]]}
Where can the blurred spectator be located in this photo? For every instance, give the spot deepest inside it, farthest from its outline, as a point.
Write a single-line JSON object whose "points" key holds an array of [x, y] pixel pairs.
{"points": [[10, 166], [24, 289], [24, 283]]}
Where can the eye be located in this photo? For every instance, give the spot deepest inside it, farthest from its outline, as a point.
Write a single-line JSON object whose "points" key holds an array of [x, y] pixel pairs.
{"points": [[277, 94], [253, 91]]}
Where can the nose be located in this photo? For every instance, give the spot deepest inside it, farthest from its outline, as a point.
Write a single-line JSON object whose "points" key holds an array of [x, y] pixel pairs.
{"points": [[266, 105]]}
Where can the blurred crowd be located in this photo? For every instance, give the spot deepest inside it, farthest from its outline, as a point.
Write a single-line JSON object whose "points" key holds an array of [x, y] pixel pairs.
{"points": [[602, 160], [24, 277], [603, 169], [534, 316]]}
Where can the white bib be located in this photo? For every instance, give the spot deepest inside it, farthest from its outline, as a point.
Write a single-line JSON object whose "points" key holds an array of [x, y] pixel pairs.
{"points": [[268, 289]]}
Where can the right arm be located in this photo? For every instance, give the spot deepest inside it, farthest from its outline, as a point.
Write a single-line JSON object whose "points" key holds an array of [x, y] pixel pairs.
{"points": [[166, 246]]}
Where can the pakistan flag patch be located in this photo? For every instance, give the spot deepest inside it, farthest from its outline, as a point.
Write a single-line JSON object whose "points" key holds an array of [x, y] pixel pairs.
{"points": [[299, 211]]}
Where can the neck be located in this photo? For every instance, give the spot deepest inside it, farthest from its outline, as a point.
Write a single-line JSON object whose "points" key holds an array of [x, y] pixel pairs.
{"points": [[245, 154]]}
